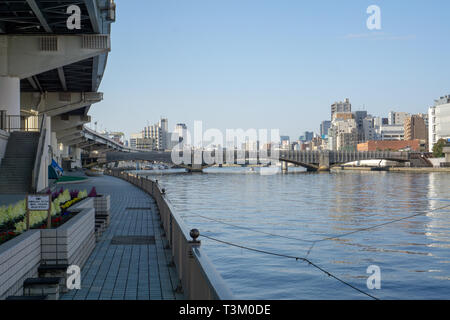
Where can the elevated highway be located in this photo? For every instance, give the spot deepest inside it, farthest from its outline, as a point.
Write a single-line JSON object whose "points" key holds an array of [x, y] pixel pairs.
{"points": [[53, 55]]}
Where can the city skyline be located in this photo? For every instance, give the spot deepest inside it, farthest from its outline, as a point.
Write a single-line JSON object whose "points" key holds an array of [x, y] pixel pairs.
{"points": [[285, 74], [300, 135]]}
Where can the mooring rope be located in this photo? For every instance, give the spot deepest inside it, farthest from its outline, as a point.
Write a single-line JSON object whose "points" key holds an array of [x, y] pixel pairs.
{"points": [[291, 257]]}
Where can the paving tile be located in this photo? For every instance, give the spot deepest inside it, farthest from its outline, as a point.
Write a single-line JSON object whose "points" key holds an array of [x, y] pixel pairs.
{"points": [[127, 272]]}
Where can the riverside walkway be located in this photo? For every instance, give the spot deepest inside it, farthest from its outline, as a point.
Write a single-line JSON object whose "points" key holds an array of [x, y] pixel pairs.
{"points": [[127, 271]]}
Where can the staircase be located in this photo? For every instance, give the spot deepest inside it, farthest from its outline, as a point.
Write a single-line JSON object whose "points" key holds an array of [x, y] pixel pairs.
{"points": [[419, 160], [17, 165]]}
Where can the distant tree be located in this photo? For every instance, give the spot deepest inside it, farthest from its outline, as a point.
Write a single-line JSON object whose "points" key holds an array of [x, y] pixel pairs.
{"points": [[438, 148]]}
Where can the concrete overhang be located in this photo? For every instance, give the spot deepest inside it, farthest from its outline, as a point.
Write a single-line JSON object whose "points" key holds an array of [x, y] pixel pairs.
{"points": [[24, 56], [57, 103]]}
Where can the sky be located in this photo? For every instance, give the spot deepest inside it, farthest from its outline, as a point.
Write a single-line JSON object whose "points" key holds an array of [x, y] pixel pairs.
{"points": [[270, 64]]}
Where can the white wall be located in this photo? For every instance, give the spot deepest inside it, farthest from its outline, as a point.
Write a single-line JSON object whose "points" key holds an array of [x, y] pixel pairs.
{"points": [[436, 162]]}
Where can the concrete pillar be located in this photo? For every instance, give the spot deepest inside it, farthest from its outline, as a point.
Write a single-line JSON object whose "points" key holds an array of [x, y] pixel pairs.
{"points": [[10, 95], [55, 148], [75, 154], [324, 161], [284, 166]]}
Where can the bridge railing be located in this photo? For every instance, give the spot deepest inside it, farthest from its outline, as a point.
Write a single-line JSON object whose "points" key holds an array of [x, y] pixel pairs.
{"points": [[198, 277]]}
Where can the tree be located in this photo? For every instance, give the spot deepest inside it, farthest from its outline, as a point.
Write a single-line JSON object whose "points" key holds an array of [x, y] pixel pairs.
{"points": [[438, 148]]}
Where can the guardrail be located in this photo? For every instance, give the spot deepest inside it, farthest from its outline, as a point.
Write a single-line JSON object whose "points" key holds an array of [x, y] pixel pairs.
{"points": [[199, 279], [10, 123]]}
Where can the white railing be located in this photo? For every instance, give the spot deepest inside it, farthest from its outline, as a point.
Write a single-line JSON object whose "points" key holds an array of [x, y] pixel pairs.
{"points": [[198, 278], [40, 152]]}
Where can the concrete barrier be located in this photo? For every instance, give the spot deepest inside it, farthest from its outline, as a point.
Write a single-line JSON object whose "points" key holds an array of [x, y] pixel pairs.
{"points": [[199, 279], [19, 260]]}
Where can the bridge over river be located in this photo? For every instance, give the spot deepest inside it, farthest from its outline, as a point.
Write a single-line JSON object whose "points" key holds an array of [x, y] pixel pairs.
{"points": [[312, 160]]}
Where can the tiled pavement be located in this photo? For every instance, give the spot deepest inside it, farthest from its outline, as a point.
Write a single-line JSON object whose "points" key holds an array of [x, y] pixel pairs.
{"points": [[126, 272]]}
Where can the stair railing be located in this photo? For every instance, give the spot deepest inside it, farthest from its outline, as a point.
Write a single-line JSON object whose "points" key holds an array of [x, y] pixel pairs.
{"points": [[25, 123], [39, 154]]}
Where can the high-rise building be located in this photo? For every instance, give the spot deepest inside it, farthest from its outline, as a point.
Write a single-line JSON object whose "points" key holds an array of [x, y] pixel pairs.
{"points": [[133, 139], [307, 136], [159, 133], [369, 128], [397, 118], [359, 118], [285, 142], [164, 124], [324, 126], [181, 131], [341, 106], [439, 121], [416, 128], [343, 135]]}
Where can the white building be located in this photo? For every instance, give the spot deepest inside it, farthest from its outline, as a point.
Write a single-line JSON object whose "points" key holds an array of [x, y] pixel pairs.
{"points": [[159, 133], [439, 121], [343, 135], [392, 132], [180, 133], [133, 139]]}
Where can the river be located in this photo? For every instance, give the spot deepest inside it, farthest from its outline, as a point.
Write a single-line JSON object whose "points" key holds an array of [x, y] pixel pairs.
{"points": [[276, 213]]}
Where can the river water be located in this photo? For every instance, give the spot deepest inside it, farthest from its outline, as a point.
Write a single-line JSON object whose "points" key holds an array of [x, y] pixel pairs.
{"points": [[413, 254]]}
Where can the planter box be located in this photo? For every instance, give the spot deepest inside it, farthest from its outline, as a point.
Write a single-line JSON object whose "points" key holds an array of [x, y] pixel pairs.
{"points": [[84, 204], [71, 243], [19, 259], [102, 204]]}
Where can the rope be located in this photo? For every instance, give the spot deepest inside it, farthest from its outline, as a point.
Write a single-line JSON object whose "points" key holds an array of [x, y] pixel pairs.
{"points": [[314, 242], [292, 257], [253, 230], [381, 224]]}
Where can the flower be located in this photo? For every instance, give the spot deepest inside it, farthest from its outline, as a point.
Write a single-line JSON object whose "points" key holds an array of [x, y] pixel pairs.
{"points": [[93, 193]]}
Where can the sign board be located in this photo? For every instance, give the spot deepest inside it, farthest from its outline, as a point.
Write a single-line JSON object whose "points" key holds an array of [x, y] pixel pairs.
{"points": [[38, 202]]}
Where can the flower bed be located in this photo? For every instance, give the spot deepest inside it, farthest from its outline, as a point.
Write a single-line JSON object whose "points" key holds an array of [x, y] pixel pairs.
{"points": [[13, 217]]}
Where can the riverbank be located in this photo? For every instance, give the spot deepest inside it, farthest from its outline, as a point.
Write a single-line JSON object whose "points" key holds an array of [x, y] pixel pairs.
{"points": [[392, 169]]}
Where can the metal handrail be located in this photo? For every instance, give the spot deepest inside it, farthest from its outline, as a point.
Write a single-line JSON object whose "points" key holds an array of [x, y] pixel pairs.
{"points": [[39, 153], [11, 123]]}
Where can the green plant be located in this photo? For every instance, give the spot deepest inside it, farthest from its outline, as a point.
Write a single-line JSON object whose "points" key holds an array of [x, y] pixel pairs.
{"points": [[38, 217], [438, 148]]}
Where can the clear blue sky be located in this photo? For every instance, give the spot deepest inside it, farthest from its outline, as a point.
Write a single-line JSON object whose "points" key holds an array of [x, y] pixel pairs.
{"points": [[270, 63]]}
